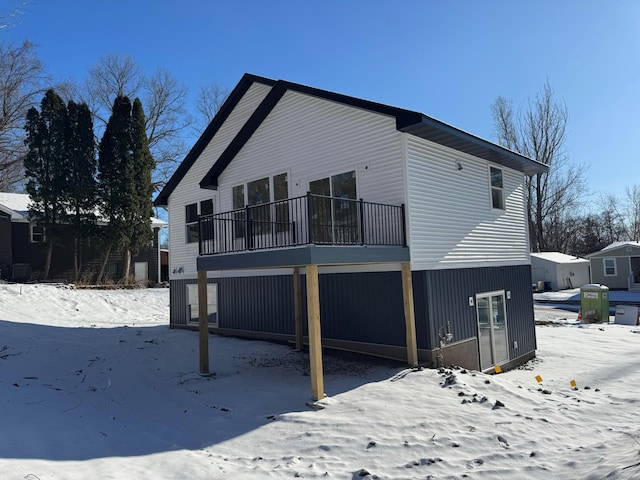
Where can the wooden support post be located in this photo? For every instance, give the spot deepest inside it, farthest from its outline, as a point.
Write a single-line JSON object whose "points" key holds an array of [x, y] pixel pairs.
{"points": [[315, 339], [203, 322], [297, 307], [409, 315]]}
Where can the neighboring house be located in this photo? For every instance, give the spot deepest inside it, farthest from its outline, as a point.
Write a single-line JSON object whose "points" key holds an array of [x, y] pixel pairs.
{"points": [[22, 249], [388, 204], [617, 266], [559, 271]]}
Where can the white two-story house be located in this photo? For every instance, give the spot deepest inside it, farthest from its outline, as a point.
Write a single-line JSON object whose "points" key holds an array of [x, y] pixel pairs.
{"points": [[411, 232]]}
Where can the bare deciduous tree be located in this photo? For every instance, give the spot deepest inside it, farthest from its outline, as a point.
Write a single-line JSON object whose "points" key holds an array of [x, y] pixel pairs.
{"points": [[632, 213], [611, 221], [164, 99], [21, 86], [113, 76], [8, 19], [166, 120], [539, 132], [208, 101]]}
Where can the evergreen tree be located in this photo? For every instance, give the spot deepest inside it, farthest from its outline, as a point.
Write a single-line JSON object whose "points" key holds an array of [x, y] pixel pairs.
{"points": [[143, 165], [82, 187], [124, 181], [46, 168], [114, 176]]}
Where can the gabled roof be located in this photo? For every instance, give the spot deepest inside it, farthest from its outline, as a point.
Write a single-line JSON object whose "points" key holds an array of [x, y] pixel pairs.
{"points": [[17, 205], [557, 257], [615, 246], [227, 107], [414, 123]]}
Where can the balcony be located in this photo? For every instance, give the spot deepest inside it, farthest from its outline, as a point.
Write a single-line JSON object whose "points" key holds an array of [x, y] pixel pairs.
{"points": [[307, 220], [285, 232]]}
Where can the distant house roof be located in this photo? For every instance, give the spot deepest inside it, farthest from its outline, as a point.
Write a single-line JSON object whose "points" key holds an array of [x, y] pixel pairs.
{"points": [[557, 257], [615, 246], [414, 123], [17, 205]]}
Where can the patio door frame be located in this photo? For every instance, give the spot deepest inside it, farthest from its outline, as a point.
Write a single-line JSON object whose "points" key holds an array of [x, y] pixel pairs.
{"points": [[499, 338], [331, 201]]}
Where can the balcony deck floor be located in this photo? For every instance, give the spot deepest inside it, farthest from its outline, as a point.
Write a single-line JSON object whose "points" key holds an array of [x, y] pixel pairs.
{"points": [[303, 255]]}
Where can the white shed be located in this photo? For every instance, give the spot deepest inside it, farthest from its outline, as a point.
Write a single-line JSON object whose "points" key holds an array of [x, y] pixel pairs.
{"points": [[559, 270]]}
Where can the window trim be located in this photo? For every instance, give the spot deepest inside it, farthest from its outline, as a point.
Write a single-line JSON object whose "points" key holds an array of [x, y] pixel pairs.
{"points": [[489, 295], [327, 211], [208, 201], [273, 211], [335, 174], [189, 225], [189, 236], [615, 267], [42, 235], [499, 189], [212, 304]]}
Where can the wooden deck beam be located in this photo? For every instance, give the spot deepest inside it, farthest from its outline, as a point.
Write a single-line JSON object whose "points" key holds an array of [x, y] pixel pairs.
{"points": [[203, 322], [409, 315], [315, 337]]}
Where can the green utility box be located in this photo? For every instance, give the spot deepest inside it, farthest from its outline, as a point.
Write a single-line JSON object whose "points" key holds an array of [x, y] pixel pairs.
{"points": [[594, 303]]}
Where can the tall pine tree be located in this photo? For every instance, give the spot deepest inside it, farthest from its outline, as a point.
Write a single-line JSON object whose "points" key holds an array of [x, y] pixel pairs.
{"points": [[113, 175], [124, 182], [82, 188], [143, 165], [46, 167]]}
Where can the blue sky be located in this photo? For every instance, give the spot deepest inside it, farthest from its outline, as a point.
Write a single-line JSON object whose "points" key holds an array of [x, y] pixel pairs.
{"points": [[447, 59]]}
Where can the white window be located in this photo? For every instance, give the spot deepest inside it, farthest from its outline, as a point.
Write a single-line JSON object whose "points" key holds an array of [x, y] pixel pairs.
{"points": [[268, 190], [609, 265], [497, 192], [37, 234], [191, 222], [192, 233]]}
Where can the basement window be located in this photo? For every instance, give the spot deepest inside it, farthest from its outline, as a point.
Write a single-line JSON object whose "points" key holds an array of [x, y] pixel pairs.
{"points": [[212, 303]]}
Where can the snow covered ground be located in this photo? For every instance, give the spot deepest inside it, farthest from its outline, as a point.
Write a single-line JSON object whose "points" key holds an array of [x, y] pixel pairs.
{"points": [[617, 296], [94, 385]]}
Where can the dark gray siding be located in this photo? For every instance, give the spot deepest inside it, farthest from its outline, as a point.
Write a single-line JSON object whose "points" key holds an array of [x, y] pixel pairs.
{"points": [[448, 293], [364, 307], [368, 307], [178, 301], [259, 304]]}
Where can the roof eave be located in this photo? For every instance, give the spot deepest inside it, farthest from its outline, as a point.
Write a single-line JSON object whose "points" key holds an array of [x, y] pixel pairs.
{"points": [[439, 132]]}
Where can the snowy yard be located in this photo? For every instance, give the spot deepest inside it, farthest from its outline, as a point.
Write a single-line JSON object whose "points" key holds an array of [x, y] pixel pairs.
{"points": [[93, 384]]}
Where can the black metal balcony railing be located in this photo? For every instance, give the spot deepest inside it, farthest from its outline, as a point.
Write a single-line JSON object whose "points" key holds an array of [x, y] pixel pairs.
{"points": [[310, 219]]}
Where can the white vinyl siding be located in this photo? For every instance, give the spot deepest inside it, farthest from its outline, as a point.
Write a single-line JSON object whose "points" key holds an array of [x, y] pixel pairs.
{"points": [[450, 216], [183, 255], [312, 138]]}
